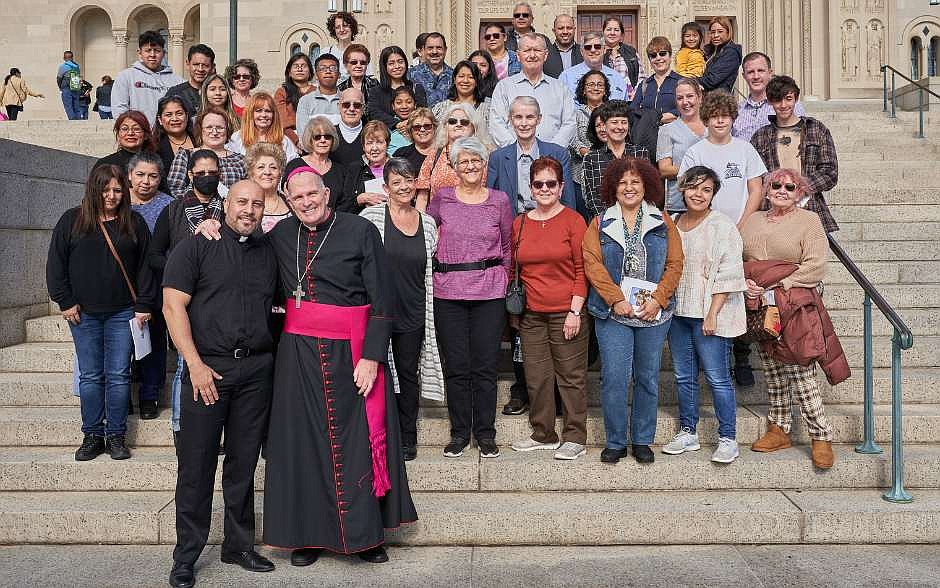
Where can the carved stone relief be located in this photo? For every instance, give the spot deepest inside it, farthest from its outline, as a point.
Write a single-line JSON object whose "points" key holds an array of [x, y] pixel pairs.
{"points": [[712, 7], [875, 5], [849, 50], [675, 13], [876, 48], [849, 4]]}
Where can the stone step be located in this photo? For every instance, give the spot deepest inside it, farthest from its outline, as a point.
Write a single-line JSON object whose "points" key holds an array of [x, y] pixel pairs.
{"points": [[54, 469], [929, 230], [861, 193], [877, 211], [530, 518], [61, 426], [891, 250]]}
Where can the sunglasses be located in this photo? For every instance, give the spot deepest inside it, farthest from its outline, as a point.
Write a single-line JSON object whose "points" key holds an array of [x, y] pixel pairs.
{"points": [[655, 54], [550, 184], [463, 122], [492, 36], [353, 105], [322, 137], [521, 15], [357, 62], [593, 46], [791, 187], [422, 127], [241, 77], [200, 174]]}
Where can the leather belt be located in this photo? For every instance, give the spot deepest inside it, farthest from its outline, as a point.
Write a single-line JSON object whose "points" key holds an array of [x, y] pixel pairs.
{"points": [[443, 268]]}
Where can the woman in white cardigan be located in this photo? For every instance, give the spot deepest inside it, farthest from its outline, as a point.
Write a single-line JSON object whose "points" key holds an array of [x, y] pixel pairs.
{"points": [[410, 239], [709, 313]]}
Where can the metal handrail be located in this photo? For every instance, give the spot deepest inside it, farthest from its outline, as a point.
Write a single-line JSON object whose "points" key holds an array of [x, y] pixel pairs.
{"points": [[902, 339], [920, 95]]}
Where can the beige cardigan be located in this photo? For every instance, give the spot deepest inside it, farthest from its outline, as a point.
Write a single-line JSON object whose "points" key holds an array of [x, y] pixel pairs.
{"points": [[15, 92]]}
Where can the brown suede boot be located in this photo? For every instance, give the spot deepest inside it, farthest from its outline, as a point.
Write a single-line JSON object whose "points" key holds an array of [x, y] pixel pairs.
{"points": [[772, 440], [823, 458]]}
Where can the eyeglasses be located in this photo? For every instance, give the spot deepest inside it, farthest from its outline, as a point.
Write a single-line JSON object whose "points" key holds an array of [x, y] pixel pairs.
{"points": [[328, 68], [791, 187], [131, 131], [353, 105], [468, 163], [492, 36], [422, 127], [214, 129], [655, 54], [463, 122], [595, 85], [550, 184], [322, 137], [299, 65], [201, 174], [593, 46], [357, 62], [521, 15], [241, 77]]}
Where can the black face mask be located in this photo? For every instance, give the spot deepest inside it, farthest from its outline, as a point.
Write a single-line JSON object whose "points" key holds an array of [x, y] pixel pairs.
{"points": [[206, 185]]}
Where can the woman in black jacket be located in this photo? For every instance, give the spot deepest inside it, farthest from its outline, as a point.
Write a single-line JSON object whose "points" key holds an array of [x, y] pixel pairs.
{"points": [[97, 273], [722, 56], [393, 73]]}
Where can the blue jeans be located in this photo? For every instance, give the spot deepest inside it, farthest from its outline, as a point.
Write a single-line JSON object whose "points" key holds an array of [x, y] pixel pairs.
{"points": [[629, 354], [73, 109], [690, 350], [175, 393], [104, 346]]}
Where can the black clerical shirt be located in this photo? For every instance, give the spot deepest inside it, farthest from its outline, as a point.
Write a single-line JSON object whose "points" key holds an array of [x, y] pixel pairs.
{"points": [[232, 282]]}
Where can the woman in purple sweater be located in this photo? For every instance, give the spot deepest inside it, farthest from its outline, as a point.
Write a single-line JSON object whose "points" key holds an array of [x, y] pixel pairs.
{"points": [[471, 272]]}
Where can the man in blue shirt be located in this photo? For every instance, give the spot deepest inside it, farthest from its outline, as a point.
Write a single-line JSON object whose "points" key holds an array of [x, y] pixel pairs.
{"points": [[68, 79], [434, 75], [592, 49]]}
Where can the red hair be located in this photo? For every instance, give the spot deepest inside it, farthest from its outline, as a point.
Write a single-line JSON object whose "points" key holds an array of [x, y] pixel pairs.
{"points": [[546, 163], [653, 189], [250, 132], [147, 143]]}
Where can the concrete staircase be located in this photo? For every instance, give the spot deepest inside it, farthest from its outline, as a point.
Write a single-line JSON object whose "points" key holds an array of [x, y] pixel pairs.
{"points": [[887, 204]]}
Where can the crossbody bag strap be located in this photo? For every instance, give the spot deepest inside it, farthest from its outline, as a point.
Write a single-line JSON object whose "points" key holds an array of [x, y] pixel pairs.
{"points": [[516, 254], [117, 258]]}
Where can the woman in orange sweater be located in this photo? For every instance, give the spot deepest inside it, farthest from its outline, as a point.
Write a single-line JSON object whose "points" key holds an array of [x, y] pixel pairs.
{"points": [[547, 249], [631, 239]]}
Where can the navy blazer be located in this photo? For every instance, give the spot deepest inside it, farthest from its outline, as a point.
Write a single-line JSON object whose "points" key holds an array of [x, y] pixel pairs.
{"points": [[502, 172]]}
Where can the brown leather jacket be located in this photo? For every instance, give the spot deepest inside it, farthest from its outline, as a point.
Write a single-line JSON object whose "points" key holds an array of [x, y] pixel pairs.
{"points": [[807, 334]]}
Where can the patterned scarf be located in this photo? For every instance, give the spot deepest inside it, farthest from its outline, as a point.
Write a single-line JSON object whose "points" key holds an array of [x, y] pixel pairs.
{"points": [[196, 211]]}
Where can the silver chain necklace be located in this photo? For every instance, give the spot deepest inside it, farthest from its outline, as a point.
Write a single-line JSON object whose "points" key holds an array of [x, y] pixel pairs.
{"points": [[298, 292]]}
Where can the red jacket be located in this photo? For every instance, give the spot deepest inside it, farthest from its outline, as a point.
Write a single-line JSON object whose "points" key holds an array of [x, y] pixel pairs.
{"points": [[807, 334]]}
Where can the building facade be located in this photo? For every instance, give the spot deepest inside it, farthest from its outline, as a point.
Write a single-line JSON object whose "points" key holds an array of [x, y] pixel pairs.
{"points": [[834, 48]]}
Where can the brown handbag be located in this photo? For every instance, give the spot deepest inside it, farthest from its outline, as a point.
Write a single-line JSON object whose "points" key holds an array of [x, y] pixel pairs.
{"points": [[117, 258], [763, 324]]}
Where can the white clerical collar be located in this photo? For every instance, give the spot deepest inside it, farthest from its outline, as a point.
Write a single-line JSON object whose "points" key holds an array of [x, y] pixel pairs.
{"points": [[350, 133]]}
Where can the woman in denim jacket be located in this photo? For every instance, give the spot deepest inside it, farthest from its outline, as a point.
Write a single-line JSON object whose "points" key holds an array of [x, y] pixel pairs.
{"points": [[632, 238]]}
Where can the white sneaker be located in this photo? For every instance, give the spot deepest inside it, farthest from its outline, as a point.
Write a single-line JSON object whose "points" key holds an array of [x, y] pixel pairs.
{"points": [[570, 450], [727, 451], [686, 440], [530, 444]]}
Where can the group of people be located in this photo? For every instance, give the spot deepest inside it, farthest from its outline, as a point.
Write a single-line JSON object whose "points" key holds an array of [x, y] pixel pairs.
{"points": [[334, 251]]}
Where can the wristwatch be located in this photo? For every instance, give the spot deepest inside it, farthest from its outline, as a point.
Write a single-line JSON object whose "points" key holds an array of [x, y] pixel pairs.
{"points": [[578, 313]]}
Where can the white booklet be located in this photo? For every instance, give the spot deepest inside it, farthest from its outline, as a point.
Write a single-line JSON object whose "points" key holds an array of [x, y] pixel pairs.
{"points": [[141, 337], [637, 292], [375, 186]]}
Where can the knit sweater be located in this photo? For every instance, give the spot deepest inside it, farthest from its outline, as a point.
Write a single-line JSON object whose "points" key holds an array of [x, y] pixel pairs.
{"points": [[797, 237]]}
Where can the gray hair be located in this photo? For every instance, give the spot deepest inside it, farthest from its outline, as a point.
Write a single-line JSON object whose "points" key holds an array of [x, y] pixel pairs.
{"points": [[479, 125], [400, 167], [526, 101], [318, 125], [592, 35], [470, 145], [145, 157], [526, 4], [533, 37]]}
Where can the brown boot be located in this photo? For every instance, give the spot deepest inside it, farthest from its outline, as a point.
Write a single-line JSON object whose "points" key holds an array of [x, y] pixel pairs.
{"points": [[772, 440], [823, 458]]}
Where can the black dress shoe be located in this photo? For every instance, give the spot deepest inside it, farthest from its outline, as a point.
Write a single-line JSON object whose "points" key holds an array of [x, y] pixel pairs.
{"points": [[374, 555], [409, 451], [248, 560], [148, 409], [182, 575], [610, 455], [305, 556], [643, 454], [515, 406]]}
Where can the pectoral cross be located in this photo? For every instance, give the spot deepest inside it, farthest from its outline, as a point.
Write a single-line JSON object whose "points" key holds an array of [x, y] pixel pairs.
{"points": [[298, 294]]}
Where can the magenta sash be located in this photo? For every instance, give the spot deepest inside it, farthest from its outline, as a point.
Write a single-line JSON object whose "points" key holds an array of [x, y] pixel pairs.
{"points": [[349, 323]]}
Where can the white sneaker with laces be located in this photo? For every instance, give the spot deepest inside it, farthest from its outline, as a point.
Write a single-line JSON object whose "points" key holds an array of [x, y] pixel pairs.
{"points": [[530, 444], [727, 451], [570, 450], [686, 440]]}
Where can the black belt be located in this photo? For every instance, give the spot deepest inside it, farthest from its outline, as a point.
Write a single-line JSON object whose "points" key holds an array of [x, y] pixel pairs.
{"points": [[240, 353], [443, 268]]}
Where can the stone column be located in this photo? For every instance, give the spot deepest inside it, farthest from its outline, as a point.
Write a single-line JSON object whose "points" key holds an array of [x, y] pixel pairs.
{"points": [[175, 55], [120, 49]]}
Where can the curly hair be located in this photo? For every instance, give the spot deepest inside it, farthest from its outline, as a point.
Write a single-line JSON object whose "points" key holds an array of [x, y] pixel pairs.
{"points": [[347, 18], [259, 150], [653, 189], [250, 65], [782, 175], [718, 103], [579, 91]]}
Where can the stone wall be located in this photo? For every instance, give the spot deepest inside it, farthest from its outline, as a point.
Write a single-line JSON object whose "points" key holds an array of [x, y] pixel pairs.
{"points": [[36, 186]]}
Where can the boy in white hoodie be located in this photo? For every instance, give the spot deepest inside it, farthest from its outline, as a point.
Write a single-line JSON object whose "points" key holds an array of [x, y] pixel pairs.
{"points": [[141, 86]]}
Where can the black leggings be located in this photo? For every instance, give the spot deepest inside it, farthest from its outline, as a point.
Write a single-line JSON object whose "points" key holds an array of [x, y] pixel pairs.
{"points": [[406, 349]]}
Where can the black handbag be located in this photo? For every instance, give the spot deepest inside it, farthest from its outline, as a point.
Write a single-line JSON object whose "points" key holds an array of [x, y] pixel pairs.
{"points": [[515, 293]]}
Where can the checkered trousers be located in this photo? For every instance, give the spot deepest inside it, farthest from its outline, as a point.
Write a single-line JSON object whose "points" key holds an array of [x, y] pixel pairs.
{"points": [[784, 380]]}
